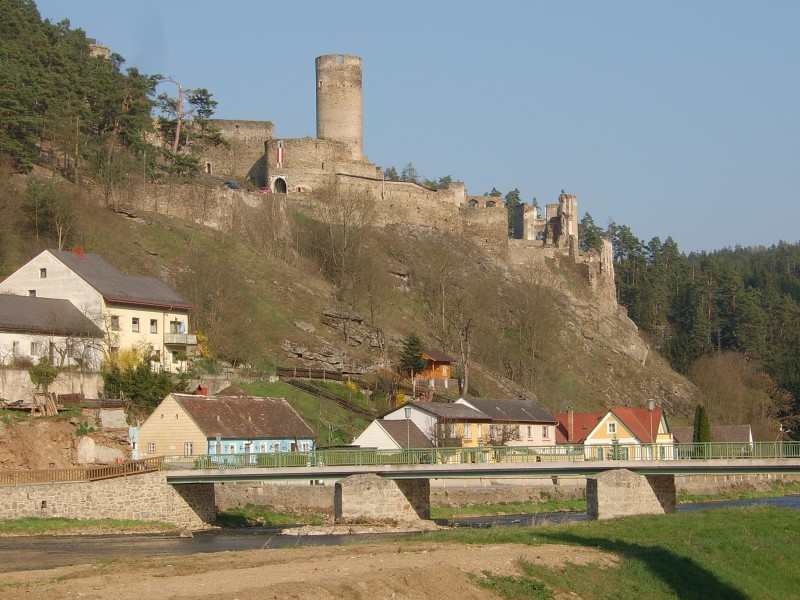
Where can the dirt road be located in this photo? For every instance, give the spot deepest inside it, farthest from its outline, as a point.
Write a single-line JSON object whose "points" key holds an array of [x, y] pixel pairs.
{"points": [[411, 571]]}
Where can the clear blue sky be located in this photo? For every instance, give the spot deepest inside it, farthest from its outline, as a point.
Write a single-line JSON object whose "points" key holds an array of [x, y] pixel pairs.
{"points": [[676, 118]]}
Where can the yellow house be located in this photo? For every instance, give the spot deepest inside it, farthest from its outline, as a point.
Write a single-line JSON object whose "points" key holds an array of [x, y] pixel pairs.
{"points": [[512, 423], [189, 425], [626, 433]]}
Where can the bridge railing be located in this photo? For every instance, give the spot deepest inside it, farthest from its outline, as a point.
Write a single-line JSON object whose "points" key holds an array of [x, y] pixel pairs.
{"points": [[488, 454]]}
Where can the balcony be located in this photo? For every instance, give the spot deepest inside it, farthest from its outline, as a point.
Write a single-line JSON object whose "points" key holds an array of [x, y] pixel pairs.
{"points": [[180, 339]]}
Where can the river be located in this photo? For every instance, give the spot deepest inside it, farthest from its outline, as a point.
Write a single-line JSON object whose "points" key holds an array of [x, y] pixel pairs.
{"points": [[44, 552]]}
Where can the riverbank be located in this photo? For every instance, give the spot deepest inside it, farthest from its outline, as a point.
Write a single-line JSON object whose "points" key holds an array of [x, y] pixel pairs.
{"points": [[730, 554], [259, 516]]}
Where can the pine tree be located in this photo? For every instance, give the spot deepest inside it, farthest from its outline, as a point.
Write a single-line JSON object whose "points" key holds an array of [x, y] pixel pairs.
{"points": [[411, 359], [702, 427]]}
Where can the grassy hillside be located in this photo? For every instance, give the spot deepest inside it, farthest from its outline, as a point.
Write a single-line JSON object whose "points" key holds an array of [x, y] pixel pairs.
{"points": [[266, 301]]}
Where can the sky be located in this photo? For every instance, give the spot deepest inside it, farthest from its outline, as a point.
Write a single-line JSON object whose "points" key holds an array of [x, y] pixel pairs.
{"points": [[677, 118]]}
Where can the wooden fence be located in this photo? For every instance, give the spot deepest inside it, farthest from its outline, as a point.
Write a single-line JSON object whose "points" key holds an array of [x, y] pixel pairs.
{"points": [[82, 474]]}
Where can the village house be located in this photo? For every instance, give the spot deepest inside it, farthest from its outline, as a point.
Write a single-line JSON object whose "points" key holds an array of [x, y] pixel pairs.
{"points": [[730, 434], [514, 422], [36, 328], [385, 434], [474, 422], [438, 371], [619, 433], [133, 312], [190, 425], [445, 424]]}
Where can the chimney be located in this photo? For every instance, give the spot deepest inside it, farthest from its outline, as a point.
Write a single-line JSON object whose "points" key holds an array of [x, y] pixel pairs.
{"points": [[570, 424], [201, 390], [79, 253]]}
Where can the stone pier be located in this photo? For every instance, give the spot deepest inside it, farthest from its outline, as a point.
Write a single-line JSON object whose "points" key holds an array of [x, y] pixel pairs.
{"points": [[621, 493], [371, 498]]}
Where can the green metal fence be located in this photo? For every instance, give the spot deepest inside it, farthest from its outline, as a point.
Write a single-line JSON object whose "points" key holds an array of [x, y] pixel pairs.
{"points": [[489, 454]]}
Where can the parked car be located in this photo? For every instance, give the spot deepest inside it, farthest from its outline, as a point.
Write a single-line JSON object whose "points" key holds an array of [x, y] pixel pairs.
{"points": [[232, 185]]}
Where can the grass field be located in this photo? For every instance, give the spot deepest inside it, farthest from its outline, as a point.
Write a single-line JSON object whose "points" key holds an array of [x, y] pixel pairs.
{"points": [[729, 554]]}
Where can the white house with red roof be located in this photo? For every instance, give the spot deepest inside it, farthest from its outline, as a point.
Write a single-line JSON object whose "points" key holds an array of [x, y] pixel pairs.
{"points": [[620, 432], [132, 311]]}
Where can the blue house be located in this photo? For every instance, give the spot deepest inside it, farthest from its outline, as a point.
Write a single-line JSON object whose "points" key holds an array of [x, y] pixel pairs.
{"points": [[189, 425]]}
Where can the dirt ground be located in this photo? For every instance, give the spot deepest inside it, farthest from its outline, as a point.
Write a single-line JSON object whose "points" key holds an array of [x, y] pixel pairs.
{"points": [[46, 444], [402, 570]]}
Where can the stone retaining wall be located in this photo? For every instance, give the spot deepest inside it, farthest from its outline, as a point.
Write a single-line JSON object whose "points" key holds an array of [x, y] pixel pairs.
{"points": [[316, 499], [145, 497]]}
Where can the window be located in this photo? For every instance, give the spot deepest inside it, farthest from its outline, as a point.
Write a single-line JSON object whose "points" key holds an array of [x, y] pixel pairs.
{"points": [[545, 432], [306, 447], [262, 447], [135, 324], [467, 430], [42, 273], [530, 431], [175, 356], [14, 348], [612, 427], [276, 447], [114, 323], [231, 448], [153, 325], [187, 448], [151, 447], [491, 204], [32, 293], [36, 348]]}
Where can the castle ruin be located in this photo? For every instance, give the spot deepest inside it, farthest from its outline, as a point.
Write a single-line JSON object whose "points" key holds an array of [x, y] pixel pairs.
{"points": [[297, 168]]}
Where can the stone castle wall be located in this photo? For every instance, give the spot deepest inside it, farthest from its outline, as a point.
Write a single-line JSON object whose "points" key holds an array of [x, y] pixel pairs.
{"points": [[145, 497], [488, 227], [245, 156]]}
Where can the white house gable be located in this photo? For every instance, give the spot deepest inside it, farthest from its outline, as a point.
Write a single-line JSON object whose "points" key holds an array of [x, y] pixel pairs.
{"points": [[45, 276], [375, 436]]}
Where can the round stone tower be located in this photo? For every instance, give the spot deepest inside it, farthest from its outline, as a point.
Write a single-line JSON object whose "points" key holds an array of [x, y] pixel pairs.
{"points": [[339, 101]]}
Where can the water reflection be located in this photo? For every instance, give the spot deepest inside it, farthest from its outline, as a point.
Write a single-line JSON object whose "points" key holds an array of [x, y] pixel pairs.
{"points": [[24, 553]]}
